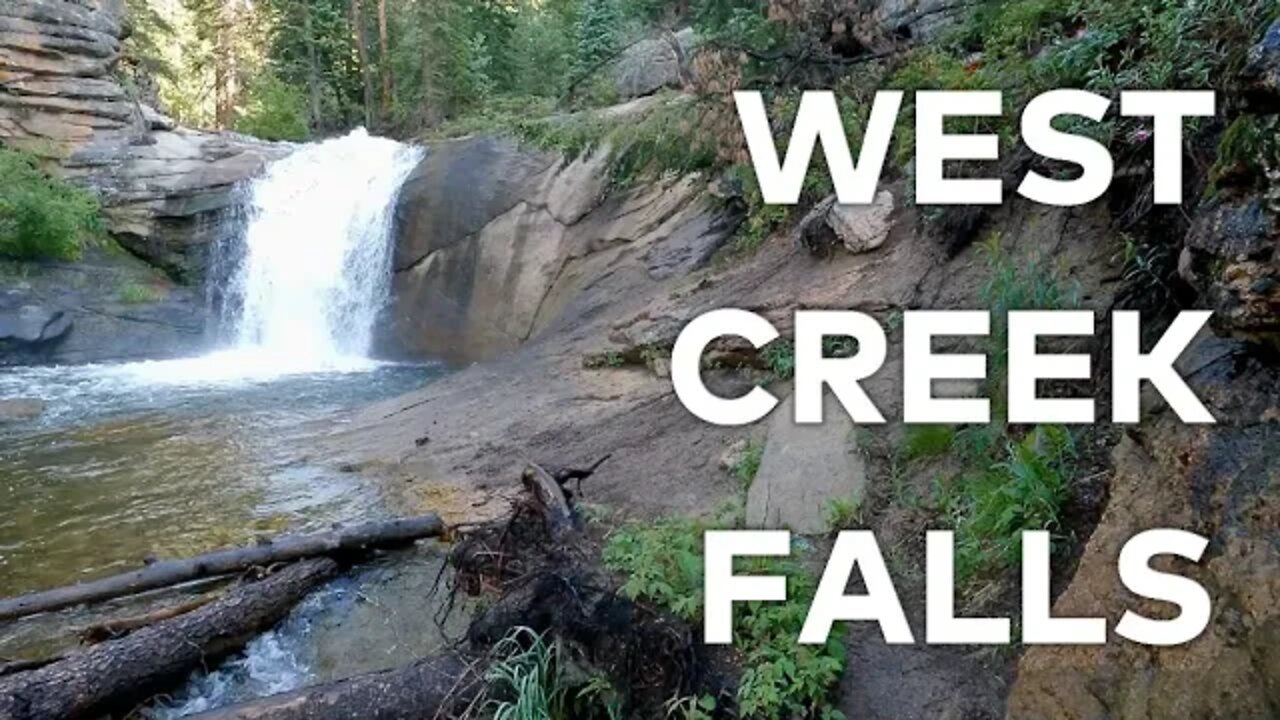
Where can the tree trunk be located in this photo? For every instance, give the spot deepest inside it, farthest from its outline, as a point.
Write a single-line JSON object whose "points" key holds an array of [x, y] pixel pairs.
{"points": [[436, 687], [313, 67], [384, 61], [120, 672], [172, 572], [362, 53]]}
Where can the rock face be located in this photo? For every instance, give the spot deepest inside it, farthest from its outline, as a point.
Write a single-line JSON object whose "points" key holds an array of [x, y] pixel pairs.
{"points": [[1219, 481], [1232, 252], [654, 63], [171, 195], [805, 468], [70, 313], [1232, 256], [56, 90], [166, 191], [494, 240]]}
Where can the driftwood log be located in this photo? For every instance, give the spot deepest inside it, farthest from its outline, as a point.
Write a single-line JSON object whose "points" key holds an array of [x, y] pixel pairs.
{"points": [[172, 572], [119, 627], [119, 672], [437, 687]]}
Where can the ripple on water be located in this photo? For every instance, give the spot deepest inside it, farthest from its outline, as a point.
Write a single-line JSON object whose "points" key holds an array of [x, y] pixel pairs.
{"points": [[123, 465]]}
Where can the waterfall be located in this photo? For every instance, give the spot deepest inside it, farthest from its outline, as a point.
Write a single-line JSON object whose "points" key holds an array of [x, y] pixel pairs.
{"points": [[314, 265]]}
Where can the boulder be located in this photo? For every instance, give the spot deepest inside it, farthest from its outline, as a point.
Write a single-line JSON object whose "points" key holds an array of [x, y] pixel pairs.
{"points": [[73, 313], [653, 64], [803, 469], [1232, 257], [883, 25], [857, 228], [171, 198], [1221, 481], [862, 228], [20, 409], [32, 325]]}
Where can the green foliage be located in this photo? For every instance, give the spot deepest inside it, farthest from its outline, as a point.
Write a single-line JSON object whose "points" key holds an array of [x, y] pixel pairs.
{"points": [[926, 441], [273, 110], [1248, 153], [842, 513], [749, 464], [1026, 47], [663, 563], [598, 35], [761, 220], [662, 140], [42, 216], [1018, 284], [780, 357], [991, 507], [532, 679], [133, 293]]}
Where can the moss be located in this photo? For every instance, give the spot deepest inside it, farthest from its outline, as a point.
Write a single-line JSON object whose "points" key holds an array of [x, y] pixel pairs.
{"points": [[133, 293]]}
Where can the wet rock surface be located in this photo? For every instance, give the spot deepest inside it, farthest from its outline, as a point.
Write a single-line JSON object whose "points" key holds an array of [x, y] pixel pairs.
{"points": [[14, 410], [72, 313]]}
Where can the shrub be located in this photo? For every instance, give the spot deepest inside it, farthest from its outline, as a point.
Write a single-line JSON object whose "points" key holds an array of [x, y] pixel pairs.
{"points": [[1023, 492], [748, 465], [782, 680], [532, 679], [273, 110], [923, 441], [42, 216]]}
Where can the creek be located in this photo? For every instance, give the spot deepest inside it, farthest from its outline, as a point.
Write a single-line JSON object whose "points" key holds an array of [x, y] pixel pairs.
{"points": [[175, 457]]}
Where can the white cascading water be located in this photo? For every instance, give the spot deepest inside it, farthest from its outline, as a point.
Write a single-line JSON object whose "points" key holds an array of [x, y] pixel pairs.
{"points": [[317, 251], [315, 267]]}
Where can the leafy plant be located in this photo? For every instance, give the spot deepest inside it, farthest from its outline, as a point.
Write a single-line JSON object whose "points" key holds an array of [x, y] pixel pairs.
{"points": [[531, 679], [1025, 491], [42, 216], [664, 564], [842, 513], [780, 357], [924, 441], [748, 465]]}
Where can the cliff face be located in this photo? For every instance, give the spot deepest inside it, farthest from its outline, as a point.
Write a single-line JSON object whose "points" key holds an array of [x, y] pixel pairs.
{"points": [[166, 190], [56, 90], [495, 241]]}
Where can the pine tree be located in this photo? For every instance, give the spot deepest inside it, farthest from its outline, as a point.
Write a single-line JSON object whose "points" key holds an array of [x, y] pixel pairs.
{"points": [[599, 28]]}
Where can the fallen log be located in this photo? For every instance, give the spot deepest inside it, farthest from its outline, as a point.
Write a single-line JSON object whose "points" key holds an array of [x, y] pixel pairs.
{"points": [[437, 687], [119, 672], [119, 627], [172, 572]]}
